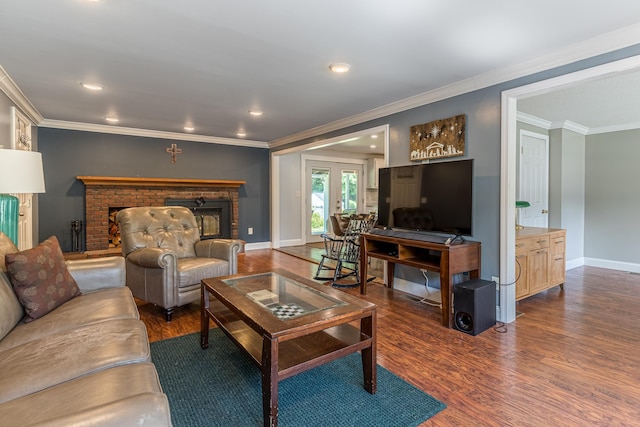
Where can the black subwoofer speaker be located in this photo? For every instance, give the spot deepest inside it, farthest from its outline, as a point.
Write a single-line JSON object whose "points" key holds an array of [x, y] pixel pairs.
{"points": [[474, 306]]}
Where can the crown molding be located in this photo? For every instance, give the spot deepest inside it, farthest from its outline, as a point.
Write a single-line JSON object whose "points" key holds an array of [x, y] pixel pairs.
{"points": [[533, 120], [624, 37], [614, 128], [572, 126], [13, 92], [619, 39], [119, 130]]}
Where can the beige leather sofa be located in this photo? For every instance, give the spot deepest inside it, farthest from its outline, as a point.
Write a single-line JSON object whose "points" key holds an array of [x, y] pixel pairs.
{"points": [[85, 363]]}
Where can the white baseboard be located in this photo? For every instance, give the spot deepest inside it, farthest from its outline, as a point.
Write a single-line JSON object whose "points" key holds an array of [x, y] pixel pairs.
{"points": [[612, 265], [257, 245], [573, 263], [292, 242]]}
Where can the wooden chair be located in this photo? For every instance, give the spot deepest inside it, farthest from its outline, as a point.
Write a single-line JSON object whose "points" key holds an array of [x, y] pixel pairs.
{"points": [[343, 249]]}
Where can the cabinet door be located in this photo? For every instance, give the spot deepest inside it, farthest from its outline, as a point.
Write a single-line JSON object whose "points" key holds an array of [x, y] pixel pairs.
{"points": [[373, 165], [557, 259], [522, 284], [538, 264], [557, 270]]}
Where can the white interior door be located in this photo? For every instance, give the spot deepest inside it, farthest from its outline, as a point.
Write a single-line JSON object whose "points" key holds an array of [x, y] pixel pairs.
{"points": [[534, 179], [332, 187]]}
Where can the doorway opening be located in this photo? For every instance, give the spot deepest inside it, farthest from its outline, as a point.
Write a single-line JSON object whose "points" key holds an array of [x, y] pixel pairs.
{"points": [[508, 164], [289, 221]]}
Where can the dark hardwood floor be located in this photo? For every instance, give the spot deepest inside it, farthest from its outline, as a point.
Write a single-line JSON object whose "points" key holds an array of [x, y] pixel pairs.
{"points": [[571, 359]]}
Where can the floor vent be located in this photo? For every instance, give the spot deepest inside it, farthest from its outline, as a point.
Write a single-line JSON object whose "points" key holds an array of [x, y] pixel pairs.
{"points": [[411, 297]]}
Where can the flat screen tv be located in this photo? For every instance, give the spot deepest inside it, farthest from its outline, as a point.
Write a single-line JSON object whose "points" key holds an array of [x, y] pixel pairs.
{"points": [[431, 197]]}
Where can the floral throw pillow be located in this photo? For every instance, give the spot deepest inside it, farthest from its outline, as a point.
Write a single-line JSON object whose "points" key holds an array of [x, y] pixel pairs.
{"points": [[40, 278]]}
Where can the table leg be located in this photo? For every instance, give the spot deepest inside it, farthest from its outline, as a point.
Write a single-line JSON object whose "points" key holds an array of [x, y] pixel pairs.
{"points": [[364, 266], [391, 268], [204, 317], [369, 362], [269, 382], [446, 293]]}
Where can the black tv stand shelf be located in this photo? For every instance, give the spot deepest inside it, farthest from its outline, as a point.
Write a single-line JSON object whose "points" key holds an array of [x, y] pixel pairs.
{"points": [[461, 257]]}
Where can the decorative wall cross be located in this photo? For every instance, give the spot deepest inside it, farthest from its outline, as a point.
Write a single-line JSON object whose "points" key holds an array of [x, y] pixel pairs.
{"points": [[174, 151]]}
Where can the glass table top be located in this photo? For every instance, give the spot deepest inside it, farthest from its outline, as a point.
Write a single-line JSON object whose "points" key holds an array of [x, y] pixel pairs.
{"points": [[283, 297]]}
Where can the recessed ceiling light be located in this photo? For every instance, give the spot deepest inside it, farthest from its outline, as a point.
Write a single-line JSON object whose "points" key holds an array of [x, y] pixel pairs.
{"points": [[92, 86], [189, 128], [374, 136], [339, 67], [112, 119], [241, 134], [372, 146], [255, 112]]}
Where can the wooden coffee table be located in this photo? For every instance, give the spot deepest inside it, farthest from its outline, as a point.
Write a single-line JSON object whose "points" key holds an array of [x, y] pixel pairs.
{"points": [[288, 324]]}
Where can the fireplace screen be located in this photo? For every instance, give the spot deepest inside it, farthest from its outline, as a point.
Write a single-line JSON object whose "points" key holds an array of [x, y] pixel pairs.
{"points": [[208, 222], [212, 215]]}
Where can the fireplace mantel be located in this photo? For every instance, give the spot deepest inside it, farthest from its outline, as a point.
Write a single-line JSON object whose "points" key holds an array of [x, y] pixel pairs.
{"points": [[159, 182]]}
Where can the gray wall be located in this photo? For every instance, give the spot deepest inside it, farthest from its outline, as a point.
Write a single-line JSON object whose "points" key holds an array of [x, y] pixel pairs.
{"points": [[612, 196], [482, 144], [483, 110], [567, 174], [291, 212], [67, 154]]}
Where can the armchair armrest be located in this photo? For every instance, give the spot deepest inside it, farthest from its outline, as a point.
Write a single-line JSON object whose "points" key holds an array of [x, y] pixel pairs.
{"points": [[226, 249], [152, 257], [98, 273]]}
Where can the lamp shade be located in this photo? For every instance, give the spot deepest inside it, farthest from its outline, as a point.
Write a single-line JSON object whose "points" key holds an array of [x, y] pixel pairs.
{"points": [[21, 171]]}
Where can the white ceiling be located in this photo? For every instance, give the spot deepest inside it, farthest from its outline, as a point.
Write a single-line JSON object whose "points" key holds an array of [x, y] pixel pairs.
{"points": [[167, 63], [606, 104]]}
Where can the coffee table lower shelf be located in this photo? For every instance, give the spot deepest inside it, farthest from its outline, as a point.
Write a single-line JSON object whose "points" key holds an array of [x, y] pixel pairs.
{"points": [[338, 324], [296, 354]]}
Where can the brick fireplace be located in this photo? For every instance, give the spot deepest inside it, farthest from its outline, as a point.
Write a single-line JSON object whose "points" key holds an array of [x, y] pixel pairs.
{"points": [[102, 193]]}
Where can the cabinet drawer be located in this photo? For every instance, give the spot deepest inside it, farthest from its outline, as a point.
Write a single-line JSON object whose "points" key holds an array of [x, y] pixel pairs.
{"points": [[557, 245], [532, 243]]}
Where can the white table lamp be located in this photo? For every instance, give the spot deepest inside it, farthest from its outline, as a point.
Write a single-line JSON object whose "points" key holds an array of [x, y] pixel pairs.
{"points": [[20, 172]]}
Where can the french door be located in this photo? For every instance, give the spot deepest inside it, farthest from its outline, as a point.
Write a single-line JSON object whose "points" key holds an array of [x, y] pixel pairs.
{"points": [[332, 187]]}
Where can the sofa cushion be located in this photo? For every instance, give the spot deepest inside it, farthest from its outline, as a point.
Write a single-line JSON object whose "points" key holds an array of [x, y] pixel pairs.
{"points": [[86, 309], [6, 247], [192, 270], [40, 278], [54, 359], [11, 311], [124, 395]]}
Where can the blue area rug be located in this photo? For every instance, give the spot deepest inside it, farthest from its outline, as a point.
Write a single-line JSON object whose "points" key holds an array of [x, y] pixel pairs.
{"points": [[220, 386]]}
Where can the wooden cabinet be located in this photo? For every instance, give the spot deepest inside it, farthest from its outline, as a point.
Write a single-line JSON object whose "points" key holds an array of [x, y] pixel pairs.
{"points": [[447, 259], [540, 260], [373, 165]]}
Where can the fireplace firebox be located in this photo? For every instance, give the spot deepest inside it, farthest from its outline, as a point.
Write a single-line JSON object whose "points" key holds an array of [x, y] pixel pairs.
{"points": [[212, 215]]}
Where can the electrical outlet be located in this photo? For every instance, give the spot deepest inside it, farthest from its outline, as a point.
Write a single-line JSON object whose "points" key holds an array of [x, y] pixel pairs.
{"points": [[497, 280], [250, 231]]}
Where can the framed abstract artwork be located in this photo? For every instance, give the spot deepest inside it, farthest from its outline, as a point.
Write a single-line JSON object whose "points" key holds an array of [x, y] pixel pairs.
{"points": [[438, 139]]}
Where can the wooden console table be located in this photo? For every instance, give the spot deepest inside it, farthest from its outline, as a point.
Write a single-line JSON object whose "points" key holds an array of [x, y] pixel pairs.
{"points": [[445, 259]]}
